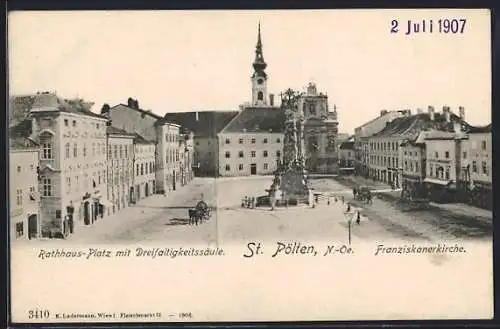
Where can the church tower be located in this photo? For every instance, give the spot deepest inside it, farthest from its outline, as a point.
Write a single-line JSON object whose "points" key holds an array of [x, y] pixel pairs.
{"points": [[259, 77]]}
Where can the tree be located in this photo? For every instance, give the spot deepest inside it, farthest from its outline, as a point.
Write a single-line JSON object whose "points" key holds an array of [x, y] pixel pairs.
{"points": [[105, 108]]}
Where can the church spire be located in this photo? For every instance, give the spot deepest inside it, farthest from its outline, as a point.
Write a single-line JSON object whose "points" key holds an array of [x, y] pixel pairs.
{"points": [[259, 65]]}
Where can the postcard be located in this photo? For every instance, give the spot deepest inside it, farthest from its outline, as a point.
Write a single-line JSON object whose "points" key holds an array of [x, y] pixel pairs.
{"points": [[281, 165]]}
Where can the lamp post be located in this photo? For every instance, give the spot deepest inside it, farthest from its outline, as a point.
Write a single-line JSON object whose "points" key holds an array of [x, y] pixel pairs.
{"points": [[349, 215]]}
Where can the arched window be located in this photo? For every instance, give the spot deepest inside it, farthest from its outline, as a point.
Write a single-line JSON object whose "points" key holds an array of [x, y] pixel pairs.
{"points": [[260, 95]]}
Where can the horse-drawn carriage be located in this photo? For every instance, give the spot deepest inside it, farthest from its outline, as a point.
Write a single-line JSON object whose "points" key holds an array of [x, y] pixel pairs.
{"points": [[199, 213], [362, 193]]}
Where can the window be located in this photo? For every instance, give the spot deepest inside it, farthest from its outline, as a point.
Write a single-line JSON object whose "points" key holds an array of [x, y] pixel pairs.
{"points": [[66, 123], [447, 173], [483, 145], [121, 151], [240, 141], [93, 149], [474, 166], [150, 167], [253, 154], [228, 141], [137, 170], [126, 152], [228, 154], [228, 167], [115, 151], [260, 95], [265, 154], [110, 154], [447, 154], [436, 154], [146, 168], [47, 150], [142, 169], [265, 140], [19, 229], [68, 183], [47, 187], [485, 167], [278, 140], [19, 197], [431, 170], [18, 169], [74, 123], [312, 110], [253, 140], [278, 153], [240, 154], [84, 150], [464, 155], [240, 166], [197, 143], [265, 166]]}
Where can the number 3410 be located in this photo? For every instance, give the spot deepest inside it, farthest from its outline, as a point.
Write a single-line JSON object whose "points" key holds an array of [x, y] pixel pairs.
{"points": [[38, 314]]}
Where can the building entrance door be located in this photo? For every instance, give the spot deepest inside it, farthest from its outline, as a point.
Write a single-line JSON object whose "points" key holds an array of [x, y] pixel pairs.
{"points": [[253, 169], [32, 226]]}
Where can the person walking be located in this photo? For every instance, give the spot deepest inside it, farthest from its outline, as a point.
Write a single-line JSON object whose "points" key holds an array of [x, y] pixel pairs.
{"points": [[358, 218]]}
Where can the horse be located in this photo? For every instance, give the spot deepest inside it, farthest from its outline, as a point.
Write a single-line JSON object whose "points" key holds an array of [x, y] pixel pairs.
{"points": [[195, 216]]}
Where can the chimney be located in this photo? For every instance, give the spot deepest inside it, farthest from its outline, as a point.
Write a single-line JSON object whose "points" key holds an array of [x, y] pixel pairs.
{"points": [[431, 112], [456, 127], [419, 111], [271, 99], [446, 113], [197, 116], [407, 112], [461, 112], [383, 112]]}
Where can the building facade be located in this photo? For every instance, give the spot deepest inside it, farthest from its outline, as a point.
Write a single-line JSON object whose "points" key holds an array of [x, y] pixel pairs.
{"points": [[72, 171], [152, 127], [477, 166], [346, 157], [120, 161], [361, 137], [320, 129], [205, 125], [24, 194], [414, 162], [144, 168]]}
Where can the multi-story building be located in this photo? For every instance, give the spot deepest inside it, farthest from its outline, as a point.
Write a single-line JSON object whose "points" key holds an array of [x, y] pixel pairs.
{"points": [[361, 137], [413, 158], [72, 170], [23, 182], [385, 158], [444, 163], [346, 157], [477, 166], [205, 125], [144, 167], [252, 143], [152, 127], [320, 131], [120, 162]]}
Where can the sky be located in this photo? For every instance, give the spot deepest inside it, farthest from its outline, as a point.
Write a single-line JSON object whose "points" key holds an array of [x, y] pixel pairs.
{"points": [[202, 60]]}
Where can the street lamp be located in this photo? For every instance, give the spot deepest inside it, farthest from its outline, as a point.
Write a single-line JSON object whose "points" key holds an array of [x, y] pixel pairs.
{"points": [[349, 214]]}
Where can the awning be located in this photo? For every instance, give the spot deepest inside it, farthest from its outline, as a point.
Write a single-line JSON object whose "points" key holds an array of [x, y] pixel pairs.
{"points": [[105, 203], [436, 181]]}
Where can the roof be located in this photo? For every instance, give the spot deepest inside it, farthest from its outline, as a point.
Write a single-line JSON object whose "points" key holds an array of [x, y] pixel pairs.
{"points": [[111, 130], [347, 146], [149, 113], [409, 126], [19, 108], [141, 140], [437, 134], [202, 123], [19, 142], [480, 129], [257, 119], [23, 128]]}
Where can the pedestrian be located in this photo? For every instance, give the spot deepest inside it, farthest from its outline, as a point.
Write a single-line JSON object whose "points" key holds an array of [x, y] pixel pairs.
{"points": [[328, 200], [343, 200], [358, 219], [348, 207], [336, 200]]}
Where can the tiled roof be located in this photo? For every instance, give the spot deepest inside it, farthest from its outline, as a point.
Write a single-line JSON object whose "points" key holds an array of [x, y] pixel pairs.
{"points": [[411, 125], [479, 130], [347, 146], [149, 113], [22, 129], [257, 119], [141, 140], [111, 130], [202, 123], [19, 142]]}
